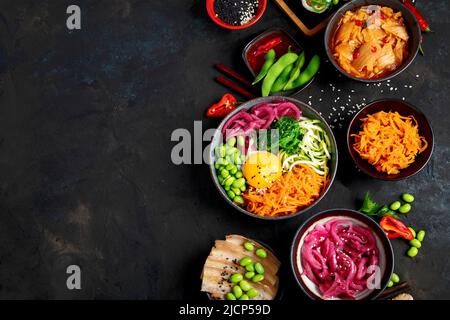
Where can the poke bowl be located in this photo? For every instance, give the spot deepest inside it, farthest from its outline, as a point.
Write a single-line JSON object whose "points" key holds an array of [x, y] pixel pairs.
{"points": [[273, 158], [372, 40], [341, 254]]}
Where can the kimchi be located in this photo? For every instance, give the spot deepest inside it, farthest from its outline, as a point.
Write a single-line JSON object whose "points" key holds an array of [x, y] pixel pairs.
{"points": [[370, 42]]}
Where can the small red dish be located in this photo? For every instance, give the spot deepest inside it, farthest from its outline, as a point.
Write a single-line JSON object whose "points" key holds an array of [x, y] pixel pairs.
{"points": [[212, 14]]}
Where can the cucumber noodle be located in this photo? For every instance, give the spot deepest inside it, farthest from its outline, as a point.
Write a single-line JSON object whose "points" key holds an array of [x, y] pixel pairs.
{"points": [[314, 149]]}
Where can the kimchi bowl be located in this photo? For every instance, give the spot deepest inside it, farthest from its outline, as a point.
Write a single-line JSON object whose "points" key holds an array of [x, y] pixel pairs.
{"points": [[372, 40]]}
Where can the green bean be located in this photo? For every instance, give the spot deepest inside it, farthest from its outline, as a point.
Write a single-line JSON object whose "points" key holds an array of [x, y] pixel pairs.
{"points": [[249, 246], [259, 268], [395, 205], [231, 142], [249, 275], [250, 267], [236, 277], [244, 297], [395, 278], [245, 286], [258, 278], [275, 70], [238, 200], [420, 235], [239, 183], [237, 291], [407, 197], [238, 174], [390, 284], [252, 293], [412, 252], [307, 74], [230, 296], [237, 192], [261, 253], [269, 61], [245, 261], [224, 173], [405, 208], [282, 79], [296, 72], [415, 243], [230, 181], [412, 231], [231, 194]]}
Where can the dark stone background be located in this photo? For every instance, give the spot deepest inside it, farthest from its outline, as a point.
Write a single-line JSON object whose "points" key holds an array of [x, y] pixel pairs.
{"points": [[85, 172]]}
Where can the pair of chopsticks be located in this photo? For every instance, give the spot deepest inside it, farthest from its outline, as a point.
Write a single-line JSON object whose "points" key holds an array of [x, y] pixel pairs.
{"points": [[394, 291], [245, 90]]}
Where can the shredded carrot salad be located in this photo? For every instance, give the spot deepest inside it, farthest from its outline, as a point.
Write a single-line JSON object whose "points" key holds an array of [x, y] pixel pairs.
{"points": [[388, 141], [295, 189]]}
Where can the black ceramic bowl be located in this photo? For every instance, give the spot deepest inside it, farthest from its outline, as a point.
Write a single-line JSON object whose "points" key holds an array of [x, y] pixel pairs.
{"points": [[307, 111], [386, 262], [404, 109], [410, 21]]}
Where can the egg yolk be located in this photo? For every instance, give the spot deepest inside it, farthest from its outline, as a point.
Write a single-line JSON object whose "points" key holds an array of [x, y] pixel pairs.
{"points": [[261, 169]]}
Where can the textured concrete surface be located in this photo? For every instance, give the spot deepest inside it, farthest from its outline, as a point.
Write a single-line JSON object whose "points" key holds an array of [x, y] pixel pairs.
{"points": [[85, 172]]}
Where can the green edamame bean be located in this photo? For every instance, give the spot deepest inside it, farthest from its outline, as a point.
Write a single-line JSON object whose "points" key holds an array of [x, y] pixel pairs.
{"points": [[296, 72], [238, 174], [245, 261], [395, 205], [258, 278], [236, 277], [237, 159], [405, 208], [216, 165], [249, 275], [222, 151], [415, 243], [220, 179], [268, 62], [231, 142], [224, 173], [390, 284], [408, 197], [335, 2], [230, 166], [412, 231], [261, 253], [231, 194], [249, 246], [229, 182], [239, 200], [230, 296], [395, 278], [420, 235], [250, 267], [227, 188], [237, 291], [259, 268], [252, 293], [244, 297], [237, 192], [245, 286], [275, 70], [239, 183], [243, 188], [240, 141], [412, 252], [234, 170], [282, 79], [231, 151], [307, 74]]}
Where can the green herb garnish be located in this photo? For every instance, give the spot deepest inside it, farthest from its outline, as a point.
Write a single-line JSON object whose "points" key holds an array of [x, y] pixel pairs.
{"points": [[371, 208]]}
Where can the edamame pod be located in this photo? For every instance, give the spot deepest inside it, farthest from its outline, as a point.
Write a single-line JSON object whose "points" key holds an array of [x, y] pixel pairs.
{"points": [[270, 59], [307, 74], [296, 72], [420, 235], [282, 79], [275, 70]]}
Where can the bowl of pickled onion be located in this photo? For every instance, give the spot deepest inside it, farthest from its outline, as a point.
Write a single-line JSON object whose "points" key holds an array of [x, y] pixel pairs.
{"points": [[341, 254]]}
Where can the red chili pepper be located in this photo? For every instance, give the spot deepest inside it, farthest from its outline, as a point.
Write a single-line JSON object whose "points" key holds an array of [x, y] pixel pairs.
{"points": [[220, 109], [382, 16], [262, 49], [424, 25], [355, 54], [358, 23], [395, 228]]}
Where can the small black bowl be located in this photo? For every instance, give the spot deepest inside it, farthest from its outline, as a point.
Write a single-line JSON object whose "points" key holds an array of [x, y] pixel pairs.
{"points": [[404, 109], [383, 243], [410, 21]]}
